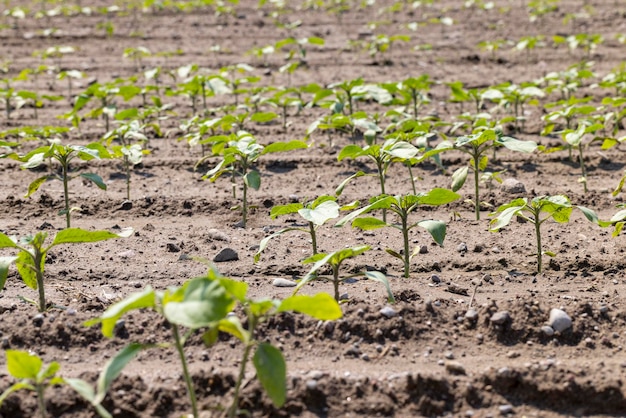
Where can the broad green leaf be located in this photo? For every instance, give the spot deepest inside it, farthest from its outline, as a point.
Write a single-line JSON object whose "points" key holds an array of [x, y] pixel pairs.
{"points": [[232, 326], [34, 186], [6, 241], [130, 113], [260, 307], [23, 365], [320, 306], [205, 302], [235, 288], [96, 179], [114, 367], [517, 145], [83, 388], [145, 299], [48, 372], [35, 160], [284, 146], [591, 215], [402, 150], [26, 269], [382, 202], [458, 178], [253, 179], [377, 276], [504, 217], [437, 229], [343, 184], [5, 262], [368, 223], [14, 388], [350, 151], [438, 196], [77, 235], [322, 213], [263, 117], [272, 372], [285, 209]]}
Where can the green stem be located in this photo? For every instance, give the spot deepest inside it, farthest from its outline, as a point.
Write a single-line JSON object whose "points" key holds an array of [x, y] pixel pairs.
{"points": [[127, 166], [186, 375], [232, 411], [66, 194], [407, 257], [336, 281], [476, 158], [408, 164], [37, 260], [245, 204], [538, 234], [313, 237], [381, 179], [40, 400], [583, 169]]}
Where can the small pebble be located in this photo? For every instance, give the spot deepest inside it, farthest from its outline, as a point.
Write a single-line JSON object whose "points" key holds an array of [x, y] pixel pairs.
{"points": [[500, 318], [435, 279], [226, 254], [38, 320], [388, 312], [462, 248], [559, 320], [471, 314], [454, 367], [512, 186], [547, 330], [279, 282], [505, 409]]}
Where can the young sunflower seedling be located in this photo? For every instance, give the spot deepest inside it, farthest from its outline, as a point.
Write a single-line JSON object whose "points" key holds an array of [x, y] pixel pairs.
{"points": [[316, 213], [205, 303], [240, 152], [32, 253], [63, 154], [536, 212], [35, 377], [476, 146], [334, 260], [403, 206]]}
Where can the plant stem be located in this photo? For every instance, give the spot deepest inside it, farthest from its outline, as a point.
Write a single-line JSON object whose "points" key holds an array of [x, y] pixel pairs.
{"points": [[40, 400], [381, 179], [583, 169], [37, 260], [245, 204], [336, 281], [538, 234], [252, 321], [186, 375], [313, 237], [127, 166], [66, 194], [476, 158], [405, 236], [408, 164]]}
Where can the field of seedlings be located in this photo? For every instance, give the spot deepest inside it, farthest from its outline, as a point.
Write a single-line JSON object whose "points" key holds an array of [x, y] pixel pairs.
{"points": [[312, 208]]}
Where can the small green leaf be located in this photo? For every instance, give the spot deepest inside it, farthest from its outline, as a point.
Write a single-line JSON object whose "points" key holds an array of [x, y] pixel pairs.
{"points": [[321, 306], [322, 213], [145, 299], [284, 146], [23, 365], [77, 235], [285, 209], [96, 179], [368, 223], [377, 276], [253, 179], [504, 217], [26, 269], [394, 253], [34, 186], [343, 184], [458, 178], [272, 372], [6, 241], [437, 230], [438, 196], [232, 326], [114, 367], [5, 262]]}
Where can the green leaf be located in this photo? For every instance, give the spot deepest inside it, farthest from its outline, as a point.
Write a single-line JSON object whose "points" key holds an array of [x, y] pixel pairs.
{"points": [[83, 388], [48, 372], [517, 145], [14, 388], [322, 213], [458, 178], [350, 151], [377, 276], [368, 223], [23, 365], [343, 184], [96, 179], [7, 242], [438, 196], [285, 209], [205, 302], [263, 117], [272, 372], [394, 253], [5, 262], [266, 240], [253, 179], [505, 216], [591, 215], [77, 235], [232, 326], [284, 146], [34, 186], [114, 367], [26, 269], [321, 306], [140, 300], [437, 229]]}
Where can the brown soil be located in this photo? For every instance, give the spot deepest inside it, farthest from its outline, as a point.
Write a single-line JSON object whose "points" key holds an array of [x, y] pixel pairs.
{"points": [[428, 360]]}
